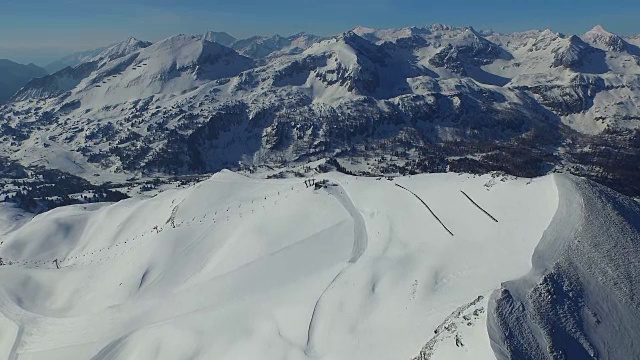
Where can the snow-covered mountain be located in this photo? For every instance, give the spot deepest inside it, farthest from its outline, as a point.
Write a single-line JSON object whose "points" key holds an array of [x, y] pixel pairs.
{"points": [[261, 46], [71, 76], [14, 76], [171, 66], [383, 100], [219, 37], [439, 266], [600, 37], [73, 60], [106, 53]]}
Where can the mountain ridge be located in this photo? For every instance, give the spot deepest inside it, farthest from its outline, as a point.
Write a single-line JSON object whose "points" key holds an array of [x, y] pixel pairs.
{"points": [[537, 101], [14, 76]]}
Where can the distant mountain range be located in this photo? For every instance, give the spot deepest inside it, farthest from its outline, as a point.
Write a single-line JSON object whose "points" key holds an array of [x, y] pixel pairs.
{"points": [[255, 46], [372, 101], [14, 76]]}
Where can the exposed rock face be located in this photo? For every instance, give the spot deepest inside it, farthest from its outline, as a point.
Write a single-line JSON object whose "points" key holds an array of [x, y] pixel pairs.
{"points": [[574, 98], [453, 326], [469, 50], [571, 54]]}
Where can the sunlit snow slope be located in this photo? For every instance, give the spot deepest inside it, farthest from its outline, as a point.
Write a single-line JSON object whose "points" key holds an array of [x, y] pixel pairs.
{"points": [[240, 268], [580, 300]]}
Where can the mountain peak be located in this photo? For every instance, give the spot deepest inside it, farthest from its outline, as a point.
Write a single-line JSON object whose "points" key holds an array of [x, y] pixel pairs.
{"points": [[120, 49], [574, 39], [471, 33], [347, 34], [440, 27], [362, 30], [600, 37], [128, 42], [219, 37], [131, 40], [355, 41], [600, 30], [548, 33]]}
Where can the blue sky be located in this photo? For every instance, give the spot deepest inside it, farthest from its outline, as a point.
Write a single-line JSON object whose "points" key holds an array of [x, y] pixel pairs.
{"points": [[43, 30]]}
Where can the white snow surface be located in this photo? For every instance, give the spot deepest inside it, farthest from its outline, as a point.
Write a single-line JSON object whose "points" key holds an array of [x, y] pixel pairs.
{"points": [[239, 268], [579, 301], [176, 64]]}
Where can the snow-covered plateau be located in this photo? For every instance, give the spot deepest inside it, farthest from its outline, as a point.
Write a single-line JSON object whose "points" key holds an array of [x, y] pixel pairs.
{"points": [[435, 266]]}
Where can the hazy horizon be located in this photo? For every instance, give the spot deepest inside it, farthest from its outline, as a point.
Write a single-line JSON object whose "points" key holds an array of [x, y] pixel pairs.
{"points": [[55, 30]]}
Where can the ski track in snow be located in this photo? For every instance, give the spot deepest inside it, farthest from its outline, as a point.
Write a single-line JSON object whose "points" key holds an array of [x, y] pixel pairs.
{"points": [[360, 241], [192, 304], [13, 355], [360, 237], [11, 313]]}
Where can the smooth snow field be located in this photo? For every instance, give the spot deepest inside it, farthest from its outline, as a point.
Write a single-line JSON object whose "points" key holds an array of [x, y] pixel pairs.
{"points": [[242, 268]]}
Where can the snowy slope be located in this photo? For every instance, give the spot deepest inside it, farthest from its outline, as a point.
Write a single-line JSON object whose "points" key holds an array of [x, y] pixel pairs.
{"points": [[600, 37], [381, 35], [119, 50], [261, 46], [73, 60], [176, 64], [235, 268], [72, 75], [580, 299], [221, 38], [106, 53]]}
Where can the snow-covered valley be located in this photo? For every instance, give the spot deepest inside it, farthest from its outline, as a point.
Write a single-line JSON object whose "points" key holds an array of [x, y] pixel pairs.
{"points": [[356, 268]]}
